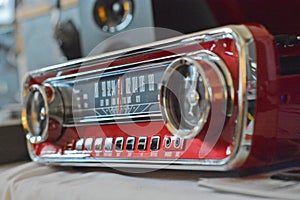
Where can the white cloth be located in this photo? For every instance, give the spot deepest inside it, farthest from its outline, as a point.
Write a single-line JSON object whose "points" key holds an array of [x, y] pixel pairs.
{"points": [[31, 181], [260, 185]]}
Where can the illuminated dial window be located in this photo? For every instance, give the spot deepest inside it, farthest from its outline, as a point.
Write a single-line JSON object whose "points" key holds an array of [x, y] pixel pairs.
{"points": [[113, 15]]}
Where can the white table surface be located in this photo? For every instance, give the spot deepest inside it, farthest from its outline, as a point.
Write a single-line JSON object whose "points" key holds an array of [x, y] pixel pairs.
{"points": [[32, 181]]}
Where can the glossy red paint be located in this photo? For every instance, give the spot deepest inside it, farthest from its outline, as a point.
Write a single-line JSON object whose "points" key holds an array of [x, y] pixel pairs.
{"points": [[225, 48], [279, 17], [266, 115], [276, 135]]}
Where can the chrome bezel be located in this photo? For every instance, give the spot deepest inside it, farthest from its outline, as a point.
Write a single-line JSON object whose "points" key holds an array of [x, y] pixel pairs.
{"points": [[126, 21], [220, 67], [97, 74], [247, 57], [34, 138], [164, 101]]}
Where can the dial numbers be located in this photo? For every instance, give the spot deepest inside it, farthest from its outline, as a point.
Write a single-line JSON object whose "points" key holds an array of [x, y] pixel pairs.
{"points": [[133, 92]]}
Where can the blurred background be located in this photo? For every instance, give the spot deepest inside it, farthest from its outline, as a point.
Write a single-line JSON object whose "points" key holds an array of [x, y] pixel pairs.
{"points": [[39, 33]]}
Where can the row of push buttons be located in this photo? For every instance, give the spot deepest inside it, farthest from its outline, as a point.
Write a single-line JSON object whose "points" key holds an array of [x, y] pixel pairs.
{"points": [[118, 144]]}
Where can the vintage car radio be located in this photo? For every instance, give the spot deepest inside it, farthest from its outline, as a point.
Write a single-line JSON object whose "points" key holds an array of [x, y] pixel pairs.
{"points": [[222, 99]]}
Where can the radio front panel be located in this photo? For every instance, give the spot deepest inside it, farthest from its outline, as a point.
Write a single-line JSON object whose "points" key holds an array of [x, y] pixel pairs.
{"points": [[189, 102]]}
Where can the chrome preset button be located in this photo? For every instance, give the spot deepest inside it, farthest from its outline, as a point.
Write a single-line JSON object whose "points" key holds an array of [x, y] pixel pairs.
{"points": [[108, 144], [177, 142], [79, 144], [89, 144], [168, 142], [119, 143], [130, 143], [142, 143], [154, 146], [98, 144]]}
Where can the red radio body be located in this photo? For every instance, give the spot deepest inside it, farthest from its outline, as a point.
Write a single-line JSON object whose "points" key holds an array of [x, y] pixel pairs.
{"points": [[222, 99]]}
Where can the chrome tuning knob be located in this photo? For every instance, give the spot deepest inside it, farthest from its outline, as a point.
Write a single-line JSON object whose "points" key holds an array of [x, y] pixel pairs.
{"points": [[195, 89], [35, 114]]}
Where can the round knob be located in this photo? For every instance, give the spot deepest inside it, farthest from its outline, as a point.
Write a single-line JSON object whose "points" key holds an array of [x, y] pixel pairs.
{"points": [[35, 114], [195, 88], [113, 15], [184, 97]]}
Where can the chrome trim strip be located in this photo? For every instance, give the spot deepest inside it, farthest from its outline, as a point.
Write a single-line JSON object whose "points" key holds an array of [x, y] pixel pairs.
{"points": [[246, 48], [121, 120], [114, 68], [217, 33], [244, 41]]}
